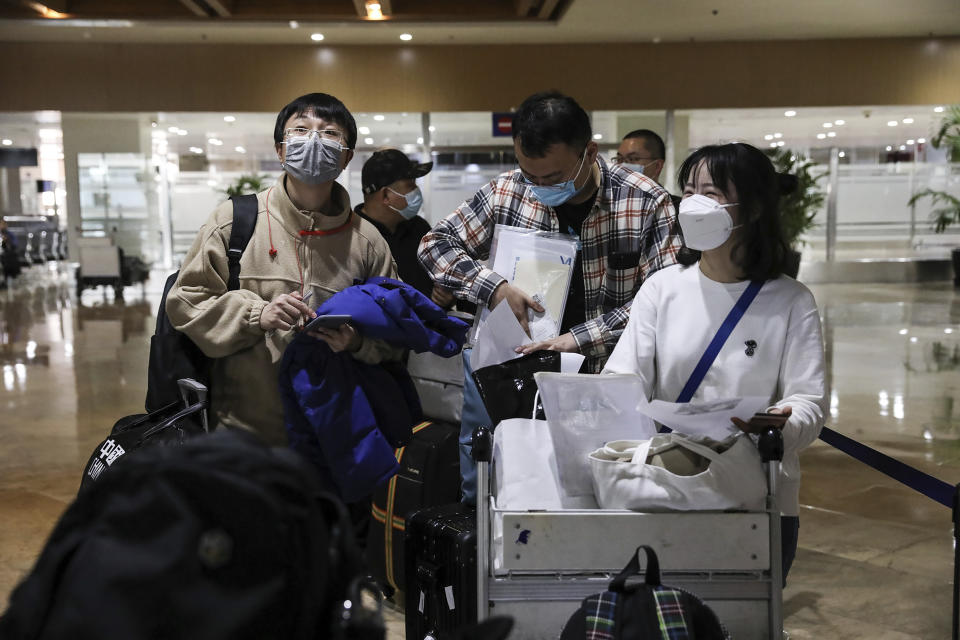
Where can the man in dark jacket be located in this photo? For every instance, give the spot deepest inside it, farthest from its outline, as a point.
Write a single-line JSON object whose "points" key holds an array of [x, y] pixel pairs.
{"points": [[391, 201]]}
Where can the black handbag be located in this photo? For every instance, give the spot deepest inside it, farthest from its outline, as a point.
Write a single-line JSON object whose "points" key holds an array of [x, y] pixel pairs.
{"points": [[508, 389]]}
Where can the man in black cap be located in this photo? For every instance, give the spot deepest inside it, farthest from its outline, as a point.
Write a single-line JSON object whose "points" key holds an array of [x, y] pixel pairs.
{"points": [[391, 201]]}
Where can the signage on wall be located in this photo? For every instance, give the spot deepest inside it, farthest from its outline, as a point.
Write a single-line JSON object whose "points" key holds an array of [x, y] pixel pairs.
{"points": [[503, 124]]}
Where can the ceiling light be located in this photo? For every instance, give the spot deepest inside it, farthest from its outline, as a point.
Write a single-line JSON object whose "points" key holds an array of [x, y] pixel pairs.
{"points": [[229, 118], [821, 136], [598, 136], [839, 122], [790, 113], [379, 117], [910, 141], [364, 130], [374, 10], [406, 36], [6, 142], [892, 123], [368, 140], [832, 134], [842, 154], [294, 24], [781, 143], [778, 135], [49, 134], [827, 125], [215, 141], [768, 137], [948, 330], [173, 129], [903, 147], [938, 109], [921, 140], [239, 149], [419, 140], [889, 148], [773, 144], [47, 12], [903, 332], [907, 121], [181, 132], [196, 150], [432, 128], [316, 37]]}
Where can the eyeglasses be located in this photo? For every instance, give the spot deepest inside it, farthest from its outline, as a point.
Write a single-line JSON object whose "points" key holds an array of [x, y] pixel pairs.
{"points": [[326, 134], [619, 159], [529, 181]]}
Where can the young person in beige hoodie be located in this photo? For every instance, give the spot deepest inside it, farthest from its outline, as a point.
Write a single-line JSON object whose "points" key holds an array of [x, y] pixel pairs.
{"points": [[307, 242]]}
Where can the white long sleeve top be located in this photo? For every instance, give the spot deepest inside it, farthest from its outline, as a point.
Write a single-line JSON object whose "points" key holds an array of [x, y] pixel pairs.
{"points": [[775, 350]]}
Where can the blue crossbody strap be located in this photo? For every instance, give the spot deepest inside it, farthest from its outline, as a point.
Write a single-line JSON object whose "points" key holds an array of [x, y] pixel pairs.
{"points": [[717, 343]]}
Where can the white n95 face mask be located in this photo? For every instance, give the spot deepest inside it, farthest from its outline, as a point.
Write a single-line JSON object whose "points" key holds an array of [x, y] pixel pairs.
{"points": [[705, 222]]}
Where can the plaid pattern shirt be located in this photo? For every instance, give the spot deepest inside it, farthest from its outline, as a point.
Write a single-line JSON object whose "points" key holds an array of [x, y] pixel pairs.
{"points": [[631, 232]]}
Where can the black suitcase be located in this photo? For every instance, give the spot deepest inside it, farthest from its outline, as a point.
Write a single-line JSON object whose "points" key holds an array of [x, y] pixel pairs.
{"points": [[441, 571], [429, 476]]}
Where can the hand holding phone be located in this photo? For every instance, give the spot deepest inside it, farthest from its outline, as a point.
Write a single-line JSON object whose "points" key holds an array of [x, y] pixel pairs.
{"points": [[327, 322], [762, 421]]}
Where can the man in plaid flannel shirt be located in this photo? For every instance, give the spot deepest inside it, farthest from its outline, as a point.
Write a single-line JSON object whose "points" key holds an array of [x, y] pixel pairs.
{"points": [[624, 221]]}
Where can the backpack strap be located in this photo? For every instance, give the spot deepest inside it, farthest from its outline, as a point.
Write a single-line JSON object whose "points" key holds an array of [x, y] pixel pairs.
{"points": [[244, 221], [651, 575]]}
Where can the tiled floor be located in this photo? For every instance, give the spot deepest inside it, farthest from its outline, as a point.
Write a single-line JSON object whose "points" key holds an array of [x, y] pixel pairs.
{"points": [[875, 558]]}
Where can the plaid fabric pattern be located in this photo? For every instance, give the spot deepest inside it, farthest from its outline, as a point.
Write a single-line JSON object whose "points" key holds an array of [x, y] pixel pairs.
{"points": [[629, 234], [673, 626], [600, 610]]}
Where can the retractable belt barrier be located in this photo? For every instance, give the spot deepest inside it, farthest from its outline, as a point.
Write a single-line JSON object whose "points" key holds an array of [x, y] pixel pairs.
{"points": [[933, 488]]}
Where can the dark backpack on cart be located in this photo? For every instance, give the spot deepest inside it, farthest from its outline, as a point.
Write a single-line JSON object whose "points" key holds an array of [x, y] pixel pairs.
{"points": [[219, 539], [644, 611], [173, 355]]}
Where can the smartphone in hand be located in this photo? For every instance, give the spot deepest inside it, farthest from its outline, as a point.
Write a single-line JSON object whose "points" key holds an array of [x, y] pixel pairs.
{"points": [[327, 322], [768, 419]]}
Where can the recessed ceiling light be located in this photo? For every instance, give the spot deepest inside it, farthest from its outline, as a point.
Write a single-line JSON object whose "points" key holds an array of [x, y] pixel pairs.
{"points": [[827, 125], [903, 147], [406, 36], [374, 10], [173, 129], [419, 140], [892, 123], [921, 140], [316, 37], [7, 142], [781, 143], [768, 137], [889, 148], [229, 118], [839, 122], [938, 109], [832, 134], [196, 150], [773, 145], [432, 128], [364, 130], [907, 121], [598, 136], [842, 154], [294, 24], [368, 140], [790, 113], [778, 135], [379, 117], [215, 141], [239, 149], [821, 136], [181, 132]]}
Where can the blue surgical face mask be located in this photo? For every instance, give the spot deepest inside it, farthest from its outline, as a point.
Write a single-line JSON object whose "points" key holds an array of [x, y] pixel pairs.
{"points": [[632, 166], [557, 194], [414, 201]]}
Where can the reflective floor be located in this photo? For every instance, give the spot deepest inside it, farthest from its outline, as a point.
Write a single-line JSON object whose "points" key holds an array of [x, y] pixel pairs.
{"points": [[875, 558]]}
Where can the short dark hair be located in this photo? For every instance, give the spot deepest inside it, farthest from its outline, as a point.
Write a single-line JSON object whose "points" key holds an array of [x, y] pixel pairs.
{"points": [[761, 249], [321, 105], [651, 141], [548, 118]]}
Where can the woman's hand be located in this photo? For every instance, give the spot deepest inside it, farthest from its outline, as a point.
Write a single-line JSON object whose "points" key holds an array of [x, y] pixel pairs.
{"points": [[759, 424], [343, 338], [563, 342]]}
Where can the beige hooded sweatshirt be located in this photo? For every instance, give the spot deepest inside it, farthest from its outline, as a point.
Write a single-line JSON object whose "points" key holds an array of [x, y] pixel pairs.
{"points": [[226, 324]]}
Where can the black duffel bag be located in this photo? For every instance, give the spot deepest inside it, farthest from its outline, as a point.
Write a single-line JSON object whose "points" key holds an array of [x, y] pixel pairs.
{"points": [[508, 389]]}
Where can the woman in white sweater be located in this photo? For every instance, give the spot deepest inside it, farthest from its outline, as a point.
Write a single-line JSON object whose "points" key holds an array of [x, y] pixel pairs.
{"points": [[730, 221]]}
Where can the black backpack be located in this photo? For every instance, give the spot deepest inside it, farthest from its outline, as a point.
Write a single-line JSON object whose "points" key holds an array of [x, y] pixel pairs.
{"points": [[221, 538], [173, 355], [644, 611]]}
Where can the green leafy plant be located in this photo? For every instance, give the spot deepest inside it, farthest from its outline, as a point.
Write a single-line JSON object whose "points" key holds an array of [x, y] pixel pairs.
{"points": [[798, 208], [948, 137], [247, 184]]}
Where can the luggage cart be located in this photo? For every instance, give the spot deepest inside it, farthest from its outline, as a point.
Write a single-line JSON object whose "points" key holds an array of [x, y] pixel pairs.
{"points": [[537, 566]]}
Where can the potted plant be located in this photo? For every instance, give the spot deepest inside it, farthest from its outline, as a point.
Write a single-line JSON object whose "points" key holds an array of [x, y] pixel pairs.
{"points": [[247, 184], [799, 207], [946, 206]]}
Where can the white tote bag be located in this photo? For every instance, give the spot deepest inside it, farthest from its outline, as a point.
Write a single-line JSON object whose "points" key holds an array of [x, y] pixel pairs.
{"points": [[733, 478]]}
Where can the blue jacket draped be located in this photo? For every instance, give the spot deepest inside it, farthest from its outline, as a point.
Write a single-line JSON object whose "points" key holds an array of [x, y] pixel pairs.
{"points": [[348, 416]]}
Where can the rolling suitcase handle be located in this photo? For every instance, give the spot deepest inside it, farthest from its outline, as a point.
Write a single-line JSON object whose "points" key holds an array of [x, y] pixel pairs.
{"points": [[771, 453], [188, 385], [481, 451]]}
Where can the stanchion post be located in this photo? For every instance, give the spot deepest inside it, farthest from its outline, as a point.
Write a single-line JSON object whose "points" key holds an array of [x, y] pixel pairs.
{"points": [[482, 452], [956, 562]]}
